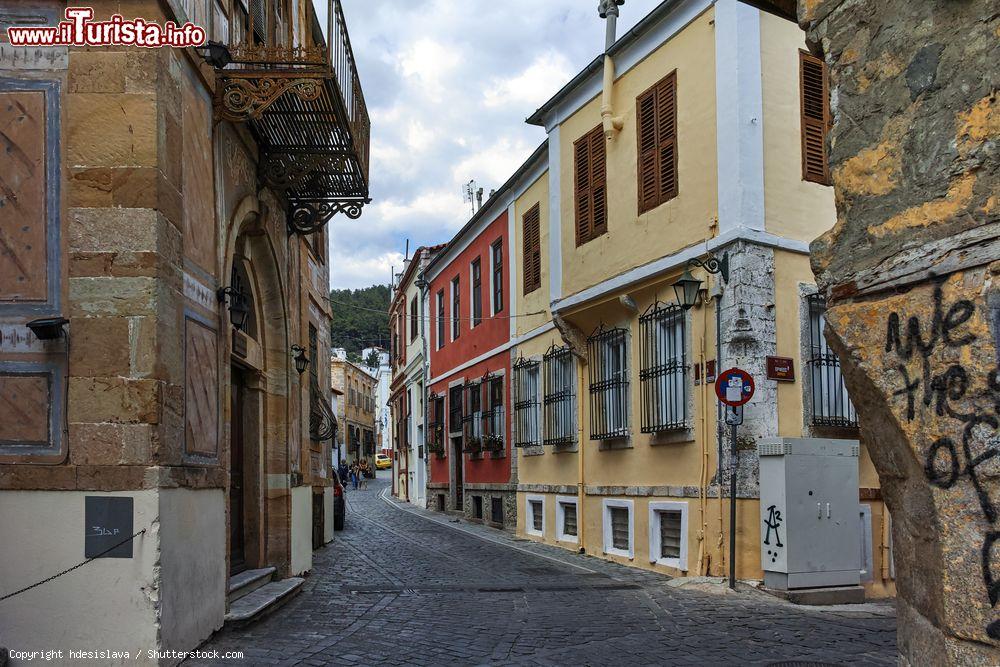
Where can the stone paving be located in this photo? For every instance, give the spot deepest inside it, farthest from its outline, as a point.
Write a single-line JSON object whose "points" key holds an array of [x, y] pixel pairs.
{"points": [[402, 586]]}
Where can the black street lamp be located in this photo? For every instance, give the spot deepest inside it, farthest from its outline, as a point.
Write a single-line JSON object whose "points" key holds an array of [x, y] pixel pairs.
{"points": [[238, 308], [686, 290], [301, 360]]}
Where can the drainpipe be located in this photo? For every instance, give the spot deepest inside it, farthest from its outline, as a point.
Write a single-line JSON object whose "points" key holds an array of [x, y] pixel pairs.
{"points": [[608, 10], [421, 284]]}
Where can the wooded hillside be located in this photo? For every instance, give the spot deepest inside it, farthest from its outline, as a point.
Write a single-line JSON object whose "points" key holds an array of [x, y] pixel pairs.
{"points": [[360, 319]]}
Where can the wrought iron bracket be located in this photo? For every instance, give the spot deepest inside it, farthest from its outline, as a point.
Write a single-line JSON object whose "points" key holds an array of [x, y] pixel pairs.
{"points": [[306, 216], [293, 170], [714, 265], [241, 98]]}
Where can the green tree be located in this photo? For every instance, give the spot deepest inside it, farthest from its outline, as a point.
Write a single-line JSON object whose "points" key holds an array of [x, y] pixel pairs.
{"points": [[360, 319]]}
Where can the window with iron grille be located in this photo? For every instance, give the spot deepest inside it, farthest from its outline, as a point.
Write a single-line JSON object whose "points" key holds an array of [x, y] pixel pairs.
{"points": [[609, 384], [560, 427], [472, 420], [455, 409], [493, 417], [440, 319], [497, 249], [477, 292], [435, 424], [526, 403], [663, 369], [831, 406]]}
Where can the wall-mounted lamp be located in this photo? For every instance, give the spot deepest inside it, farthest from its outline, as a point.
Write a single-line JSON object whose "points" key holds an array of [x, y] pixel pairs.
{"points": [[48, 328], [301, 360], [215, 54], [686, 290], [238, 309]]}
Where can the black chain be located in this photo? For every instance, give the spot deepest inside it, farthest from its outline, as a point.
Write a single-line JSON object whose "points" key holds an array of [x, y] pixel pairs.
{"points": [[68, 570]]}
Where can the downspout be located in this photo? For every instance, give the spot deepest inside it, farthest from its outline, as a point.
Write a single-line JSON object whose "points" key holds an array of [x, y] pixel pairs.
{"points": [[425, 361], [717, 297], [608, 10], [703, 478]]}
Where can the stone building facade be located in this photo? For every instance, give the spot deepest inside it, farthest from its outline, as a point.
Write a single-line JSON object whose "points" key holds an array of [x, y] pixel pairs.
{"points": [[910, 273], [357, 408], [152, 304]]}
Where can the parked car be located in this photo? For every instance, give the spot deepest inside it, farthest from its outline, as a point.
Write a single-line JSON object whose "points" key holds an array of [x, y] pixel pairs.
{"points": [[339, 506], [382, 462]]}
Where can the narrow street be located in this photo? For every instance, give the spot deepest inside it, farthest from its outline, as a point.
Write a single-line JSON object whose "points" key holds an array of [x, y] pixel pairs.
{"points": [[400, 586]]}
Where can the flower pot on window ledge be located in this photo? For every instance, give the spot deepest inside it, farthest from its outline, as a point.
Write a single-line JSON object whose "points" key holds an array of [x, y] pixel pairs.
{"points": [[493, 443], [472, 445]]}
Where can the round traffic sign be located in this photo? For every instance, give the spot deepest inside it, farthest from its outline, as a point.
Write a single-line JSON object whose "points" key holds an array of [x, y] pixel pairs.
{"points": [[734, 386]]}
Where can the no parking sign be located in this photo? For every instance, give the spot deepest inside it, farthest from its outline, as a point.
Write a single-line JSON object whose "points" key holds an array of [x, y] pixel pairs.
{"points": [[734, 387]]}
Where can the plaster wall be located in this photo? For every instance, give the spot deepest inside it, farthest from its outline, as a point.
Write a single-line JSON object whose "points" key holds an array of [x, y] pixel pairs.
{"points": [[301, 530]]}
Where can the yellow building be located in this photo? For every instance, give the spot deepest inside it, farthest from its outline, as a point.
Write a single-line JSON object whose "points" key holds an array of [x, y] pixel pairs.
{"points": [[356, 415], [711, 147]]}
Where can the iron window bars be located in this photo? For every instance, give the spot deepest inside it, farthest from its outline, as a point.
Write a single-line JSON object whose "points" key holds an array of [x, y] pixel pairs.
{"points": [[472, 421], [609, 384], [558, 399], [526, 403], [831, 406], [455, 409], [663, 369], [435, 426], [493, 417]]}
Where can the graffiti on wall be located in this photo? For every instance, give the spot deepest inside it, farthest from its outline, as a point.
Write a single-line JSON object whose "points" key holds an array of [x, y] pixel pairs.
{"points": [[938, 382]]}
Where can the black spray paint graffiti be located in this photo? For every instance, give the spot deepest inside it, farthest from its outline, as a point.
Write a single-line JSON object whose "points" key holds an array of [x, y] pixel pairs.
{"points": [[947, 462], [773, 522]]}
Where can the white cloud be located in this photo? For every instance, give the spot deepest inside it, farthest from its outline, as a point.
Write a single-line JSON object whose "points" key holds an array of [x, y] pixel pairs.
{"points": [[355, 272], [533, 86]]}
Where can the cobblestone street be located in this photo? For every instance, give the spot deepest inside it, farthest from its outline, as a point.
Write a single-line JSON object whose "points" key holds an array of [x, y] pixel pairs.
{"points": [[397, 588]]}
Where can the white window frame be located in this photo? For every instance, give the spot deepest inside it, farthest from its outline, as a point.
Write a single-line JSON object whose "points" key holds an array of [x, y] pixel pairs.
{"points": [[655, 545], [454, 316], [529, 522], [609, 547], [561, 501], [867, 569], [440, 315], [472, 294]]}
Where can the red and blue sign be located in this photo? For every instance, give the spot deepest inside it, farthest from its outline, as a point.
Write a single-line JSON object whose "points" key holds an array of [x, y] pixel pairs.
{"points": [[734, 387]]}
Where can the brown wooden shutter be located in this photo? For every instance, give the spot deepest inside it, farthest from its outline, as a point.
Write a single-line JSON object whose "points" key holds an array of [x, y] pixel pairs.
{"points": [[532, 249], [584, 226], [598, 180], [666, 131], [656, 114], [814, 95]]}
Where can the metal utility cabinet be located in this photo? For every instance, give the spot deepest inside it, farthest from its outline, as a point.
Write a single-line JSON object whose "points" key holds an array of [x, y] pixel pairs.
{"points": [[809, 512]]}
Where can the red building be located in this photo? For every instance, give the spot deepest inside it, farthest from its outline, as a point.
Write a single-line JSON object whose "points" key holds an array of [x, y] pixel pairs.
{"points": [[470, 456]]}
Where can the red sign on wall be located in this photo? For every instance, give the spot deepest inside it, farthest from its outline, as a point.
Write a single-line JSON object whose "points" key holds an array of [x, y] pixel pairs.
{"points": [[781, 369]]}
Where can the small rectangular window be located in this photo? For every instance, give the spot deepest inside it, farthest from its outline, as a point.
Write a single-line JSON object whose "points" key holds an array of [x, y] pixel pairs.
{"points": [[569, 519], [670, 534], [536, 516], [477, 292], [619, 528], [497, 510], [531, 237]]}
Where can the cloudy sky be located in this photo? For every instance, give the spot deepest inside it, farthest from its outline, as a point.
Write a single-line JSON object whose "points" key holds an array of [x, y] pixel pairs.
{"points": [[448, 85]]}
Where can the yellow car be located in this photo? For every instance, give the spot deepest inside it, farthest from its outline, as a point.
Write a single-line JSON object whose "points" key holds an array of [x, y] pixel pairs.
{"points": [[382, 462]]}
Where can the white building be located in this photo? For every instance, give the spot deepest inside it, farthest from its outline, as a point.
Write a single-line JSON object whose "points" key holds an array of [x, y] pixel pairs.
{"points": [[383, 375]]}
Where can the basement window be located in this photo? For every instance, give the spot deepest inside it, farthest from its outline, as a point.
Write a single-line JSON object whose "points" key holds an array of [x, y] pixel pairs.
{"points": [[535, 509], [668, 534], [566, 530], [618, 528]]}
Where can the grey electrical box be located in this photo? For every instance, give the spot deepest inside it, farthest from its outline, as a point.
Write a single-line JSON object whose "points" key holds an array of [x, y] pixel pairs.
{"points": [[809, 512]]}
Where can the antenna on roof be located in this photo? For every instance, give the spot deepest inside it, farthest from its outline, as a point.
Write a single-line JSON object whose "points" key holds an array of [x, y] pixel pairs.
{"points": [[469, 195], [479, 198], [407, 255]]}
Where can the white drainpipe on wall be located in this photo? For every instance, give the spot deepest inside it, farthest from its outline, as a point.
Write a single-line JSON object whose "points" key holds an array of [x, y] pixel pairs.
{"points": [[608, 10]]}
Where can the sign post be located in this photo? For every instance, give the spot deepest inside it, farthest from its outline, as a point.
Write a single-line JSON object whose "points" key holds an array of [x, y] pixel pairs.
{"points": [[734, 388]]}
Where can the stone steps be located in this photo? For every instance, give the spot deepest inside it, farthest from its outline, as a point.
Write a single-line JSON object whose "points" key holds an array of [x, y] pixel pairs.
{"points": [[247, 582], [258, 603]]}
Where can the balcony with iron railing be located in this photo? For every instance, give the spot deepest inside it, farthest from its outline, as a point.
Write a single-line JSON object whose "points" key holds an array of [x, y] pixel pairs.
{"points": [[304, 104]]}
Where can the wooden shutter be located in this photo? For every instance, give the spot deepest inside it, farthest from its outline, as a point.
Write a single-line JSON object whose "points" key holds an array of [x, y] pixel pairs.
{"points": [[656, 114], [590, 186], [532, 249], [814, 95]]}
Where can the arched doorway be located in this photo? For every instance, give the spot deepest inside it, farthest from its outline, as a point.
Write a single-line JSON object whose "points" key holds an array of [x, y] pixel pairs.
{"points": [[258, 451]]}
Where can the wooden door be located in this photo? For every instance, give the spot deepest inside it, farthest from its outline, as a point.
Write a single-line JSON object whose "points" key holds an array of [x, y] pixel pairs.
{"points": [[237, 544]]}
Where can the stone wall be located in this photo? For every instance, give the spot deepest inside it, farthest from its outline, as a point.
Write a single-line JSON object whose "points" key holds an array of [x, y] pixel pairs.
{"points": [[914, 311]]}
